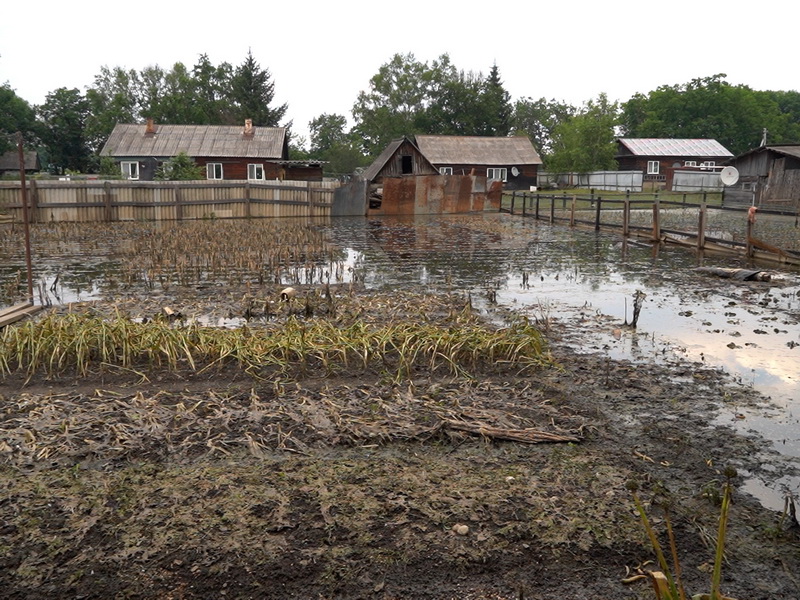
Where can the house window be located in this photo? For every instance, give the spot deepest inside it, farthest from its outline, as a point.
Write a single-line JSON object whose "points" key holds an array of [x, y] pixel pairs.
{"points": [[130, 170], [652, 167], [707, 164], [255, 171], [690, 163], [497, 174], [445, 170], [214, 171]]}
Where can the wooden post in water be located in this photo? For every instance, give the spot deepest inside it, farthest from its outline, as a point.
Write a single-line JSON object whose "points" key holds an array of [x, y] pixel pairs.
{"points": [[701, 228], [552, 209], [597, 214], [34, 202], [537, 206], [23, 191], [513, 199], [626, 216], [656, 224]]}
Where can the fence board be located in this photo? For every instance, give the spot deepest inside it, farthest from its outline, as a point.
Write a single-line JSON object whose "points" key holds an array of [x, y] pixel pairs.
{"points": [[87, 201]]}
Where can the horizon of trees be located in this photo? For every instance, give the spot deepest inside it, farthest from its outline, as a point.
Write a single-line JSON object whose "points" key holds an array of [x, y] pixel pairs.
{"points": [[405, 97]]}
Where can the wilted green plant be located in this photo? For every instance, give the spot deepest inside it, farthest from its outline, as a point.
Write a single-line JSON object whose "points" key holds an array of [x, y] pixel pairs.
{"points": [[666, 585]]}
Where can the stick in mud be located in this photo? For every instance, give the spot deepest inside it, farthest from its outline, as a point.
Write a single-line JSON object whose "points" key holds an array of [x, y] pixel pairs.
{"points": [[638, 300]]}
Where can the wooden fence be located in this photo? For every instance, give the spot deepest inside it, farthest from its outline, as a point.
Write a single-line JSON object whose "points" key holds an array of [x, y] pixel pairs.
{"points": [[86, 201], [667, 221]]}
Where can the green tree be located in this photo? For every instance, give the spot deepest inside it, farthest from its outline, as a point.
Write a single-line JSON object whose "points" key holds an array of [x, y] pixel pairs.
{"points": [[180, 168], [15, 115], [63, 121], [212, 85], [330, 142], [586, 142], [709, 107], [395, 103], [113, 98], [252, 92], [495, 102], [455, 106], [538, 119]]}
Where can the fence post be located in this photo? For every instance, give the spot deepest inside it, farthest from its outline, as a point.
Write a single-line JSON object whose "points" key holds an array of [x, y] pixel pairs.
{"points": [[597, 214], [626, 216], [34, 201], [537, 206], [572, 212], [553, 209], [701, 227], [564, 200], [107, 200], [247, 209], [656, 225], [179, 203], [513, 200]]}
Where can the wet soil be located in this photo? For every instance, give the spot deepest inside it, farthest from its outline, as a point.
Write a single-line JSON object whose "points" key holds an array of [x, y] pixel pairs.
{"points": [[217, 484]]}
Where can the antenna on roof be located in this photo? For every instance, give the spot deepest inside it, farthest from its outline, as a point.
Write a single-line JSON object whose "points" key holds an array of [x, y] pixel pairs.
{"points": [[764, 137]]}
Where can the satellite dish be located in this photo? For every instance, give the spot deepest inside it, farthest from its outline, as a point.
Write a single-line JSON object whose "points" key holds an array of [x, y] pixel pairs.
{"points": [[729, 176], [514, 171]]}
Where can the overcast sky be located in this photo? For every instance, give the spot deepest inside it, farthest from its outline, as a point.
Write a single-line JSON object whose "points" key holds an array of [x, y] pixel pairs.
{"points": [[321, 54]]}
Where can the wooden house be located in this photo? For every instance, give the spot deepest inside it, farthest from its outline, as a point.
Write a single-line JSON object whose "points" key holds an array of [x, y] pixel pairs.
{"points": [[223, 151], [657, 158], [400, 158], [9, 163], [769, 176], [512, 160]]}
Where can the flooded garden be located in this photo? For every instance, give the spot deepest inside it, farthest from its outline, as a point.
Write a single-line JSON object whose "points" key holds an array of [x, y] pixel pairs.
{"points": [[421, 407]]}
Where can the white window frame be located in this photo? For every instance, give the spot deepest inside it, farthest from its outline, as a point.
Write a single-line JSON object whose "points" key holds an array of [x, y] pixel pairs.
{"points": [[653, 167], [690, 163], [255, 172], [130, 169], [214, 170], [445, 170], [708, 164], [497, 174]]}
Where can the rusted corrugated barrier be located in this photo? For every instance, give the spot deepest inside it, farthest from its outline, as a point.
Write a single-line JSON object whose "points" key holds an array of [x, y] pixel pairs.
{"points": [[438, 194]]}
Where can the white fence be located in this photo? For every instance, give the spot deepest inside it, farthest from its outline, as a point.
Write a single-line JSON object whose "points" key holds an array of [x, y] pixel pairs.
{"points": [[598, 180]]}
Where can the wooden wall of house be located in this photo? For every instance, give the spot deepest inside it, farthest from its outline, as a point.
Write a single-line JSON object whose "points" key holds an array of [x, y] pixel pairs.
{"points": [[783, 184]]}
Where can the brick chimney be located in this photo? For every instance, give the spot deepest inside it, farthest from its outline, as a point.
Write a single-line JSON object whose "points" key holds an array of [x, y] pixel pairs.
{"points": [[150, 128], [249, 130]]}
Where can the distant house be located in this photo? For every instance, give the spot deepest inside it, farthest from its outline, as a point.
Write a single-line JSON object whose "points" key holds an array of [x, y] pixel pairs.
{"points": [[512, 160], [657, 158], [224, 151], [9, 163], [768, 176]]}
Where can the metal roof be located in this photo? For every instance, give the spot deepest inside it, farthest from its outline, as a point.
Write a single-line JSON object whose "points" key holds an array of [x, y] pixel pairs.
{"points": [[475, 150], [674, 147], [223, 141]]}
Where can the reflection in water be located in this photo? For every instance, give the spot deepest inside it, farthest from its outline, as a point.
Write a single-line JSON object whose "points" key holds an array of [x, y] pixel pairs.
{"points": [[748, 328]]}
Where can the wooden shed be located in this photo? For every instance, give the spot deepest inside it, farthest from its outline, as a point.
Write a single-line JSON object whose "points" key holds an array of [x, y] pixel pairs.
{"points": [[224, 151], [512, 160], [657, 158], [9, 162], [769, 176]]}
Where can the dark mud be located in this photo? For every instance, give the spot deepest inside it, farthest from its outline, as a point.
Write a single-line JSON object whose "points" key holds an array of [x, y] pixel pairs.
{"points": [[187, 485]]}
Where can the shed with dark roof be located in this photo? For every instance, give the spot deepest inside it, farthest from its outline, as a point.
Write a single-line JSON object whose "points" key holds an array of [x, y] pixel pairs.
{"points": [[225, 151], [9, 162], [769, 176]]}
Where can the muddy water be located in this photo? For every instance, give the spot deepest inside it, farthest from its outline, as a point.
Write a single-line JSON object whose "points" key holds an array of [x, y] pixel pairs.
{"points": [[588, 279], [578, 277]]}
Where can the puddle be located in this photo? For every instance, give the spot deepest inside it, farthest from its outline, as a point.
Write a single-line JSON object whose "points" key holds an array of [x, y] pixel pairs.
{"points": [[749, 329]]}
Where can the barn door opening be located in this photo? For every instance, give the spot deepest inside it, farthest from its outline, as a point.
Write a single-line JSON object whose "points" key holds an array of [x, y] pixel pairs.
{"points": [[406, 164]]}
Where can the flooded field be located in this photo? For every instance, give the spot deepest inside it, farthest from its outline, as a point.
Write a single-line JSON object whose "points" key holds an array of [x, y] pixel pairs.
{"points": [[579, 282]]}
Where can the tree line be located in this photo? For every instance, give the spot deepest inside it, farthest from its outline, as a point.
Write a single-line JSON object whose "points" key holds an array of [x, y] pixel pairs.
{"points": [[405, 97]]}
